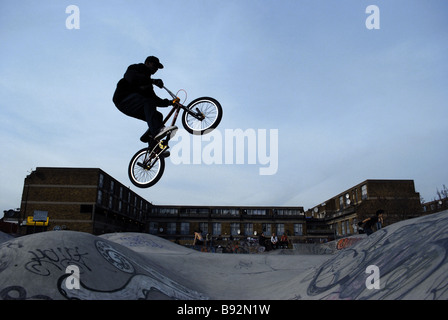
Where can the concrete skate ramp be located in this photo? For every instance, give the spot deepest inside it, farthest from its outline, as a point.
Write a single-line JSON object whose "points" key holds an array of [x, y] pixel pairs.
{"points": [[411, 257], [5, 237], [39, 267]]}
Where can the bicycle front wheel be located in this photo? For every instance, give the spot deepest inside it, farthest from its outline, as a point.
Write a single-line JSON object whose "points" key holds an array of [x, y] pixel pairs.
{"points": [[203, 115], [145, 170]]}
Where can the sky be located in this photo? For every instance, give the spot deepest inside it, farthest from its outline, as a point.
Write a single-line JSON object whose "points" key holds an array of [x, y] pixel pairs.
{"points": [[329, 99]]}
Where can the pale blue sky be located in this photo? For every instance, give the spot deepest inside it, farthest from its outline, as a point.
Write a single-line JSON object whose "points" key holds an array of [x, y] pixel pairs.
{"points": [[349, 103]]}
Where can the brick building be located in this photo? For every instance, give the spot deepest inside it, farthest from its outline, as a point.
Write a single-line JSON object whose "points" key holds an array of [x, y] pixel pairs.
{"points": [[81, 199], [89, 200], [179, 222], [342, 212]]}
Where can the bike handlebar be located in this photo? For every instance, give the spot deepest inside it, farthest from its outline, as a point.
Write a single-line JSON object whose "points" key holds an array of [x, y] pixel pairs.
{"points": [[176, 99], [171, 94]]}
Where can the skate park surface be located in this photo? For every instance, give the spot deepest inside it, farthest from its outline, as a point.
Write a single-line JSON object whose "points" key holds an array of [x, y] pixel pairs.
{"points": [[411, 257]]}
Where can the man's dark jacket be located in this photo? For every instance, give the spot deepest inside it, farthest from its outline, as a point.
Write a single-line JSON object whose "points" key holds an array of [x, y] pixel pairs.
{"points": [[137, 79]]}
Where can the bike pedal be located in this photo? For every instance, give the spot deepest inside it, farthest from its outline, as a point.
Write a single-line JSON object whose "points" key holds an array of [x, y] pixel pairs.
{"points": [[163, 144]]}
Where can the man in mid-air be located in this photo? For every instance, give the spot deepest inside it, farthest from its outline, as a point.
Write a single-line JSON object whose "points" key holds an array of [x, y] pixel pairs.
{"points": [[135, 97]]}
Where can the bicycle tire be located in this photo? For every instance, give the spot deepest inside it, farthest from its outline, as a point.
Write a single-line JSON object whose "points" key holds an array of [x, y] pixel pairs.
{"points": [[212, 111], [145, 177]]}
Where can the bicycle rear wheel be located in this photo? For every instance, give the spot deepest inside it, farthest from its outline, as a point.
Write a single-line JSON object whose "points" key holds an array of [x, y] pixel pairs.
{"points": [[144, 169], [206, 114]]}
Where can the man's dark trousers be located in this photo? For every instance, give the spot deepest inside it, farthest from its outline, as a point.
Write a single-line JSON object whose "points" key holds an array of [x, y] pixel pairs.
{"points": [[140, 107]]}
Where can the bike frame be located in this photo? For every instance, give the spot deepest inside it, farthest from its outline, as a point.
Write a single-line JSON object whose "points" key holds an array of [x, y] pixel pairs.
{"points": [[176, 109], [177, 106], [148, 164]]}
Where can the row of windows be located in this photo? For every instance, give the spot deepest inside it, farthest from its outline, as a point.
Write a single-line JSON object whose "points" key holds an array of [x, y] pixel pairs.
{"points": [[120, 199], [224, 211], [435, 205], [343, 228], [347, 199], [344, 201], [246, 229]]}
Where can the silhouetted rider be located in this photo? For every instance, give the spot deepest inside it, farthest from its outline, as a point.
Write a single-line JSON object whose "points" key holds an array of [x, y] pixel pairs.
{"points": [[135, 97]]}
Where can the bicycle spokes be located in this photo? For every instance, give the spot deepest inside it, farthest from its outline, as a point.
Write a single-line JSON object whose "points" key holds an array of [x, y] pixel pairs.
{"points": [[205, 116], [146, 168]]}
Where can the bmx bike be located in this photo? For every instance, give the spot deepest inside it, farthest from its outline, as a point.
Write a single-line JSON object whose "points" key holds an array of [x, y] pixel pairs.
{"points": [[199, 117]]}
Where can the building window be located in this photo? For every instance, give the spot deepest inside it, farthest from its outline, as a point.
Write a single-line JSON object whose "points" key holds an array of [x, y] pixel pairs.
{"points": [[280, 229], [194, 211], [298, 229], [287, 212], [185, 228], [249, 229], [355, 226], [110, 201], [164, 211], [153, 227], [203, 226], [364, 192], [231, 212], [266, 229], [235, 229], [171, 228], [256, 212], [100, 197], [216, 228], [101, 181]]}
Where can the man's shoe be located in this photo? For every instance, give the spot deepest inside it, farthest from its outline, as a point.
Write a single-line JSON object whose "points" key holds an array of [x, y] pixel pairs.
{"points": [[164, 131], [165, 154], [146, 137]]}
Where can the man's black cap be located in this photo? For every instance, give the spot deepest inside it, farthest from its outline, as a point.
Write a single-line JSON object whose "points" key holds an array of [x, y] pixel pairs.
{"points": [[154, 60]]}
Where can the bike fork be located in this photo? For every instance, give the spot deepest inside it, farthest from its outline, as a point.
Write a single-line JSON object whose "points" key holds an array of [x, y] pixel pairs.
{"points": [[197, 115]]}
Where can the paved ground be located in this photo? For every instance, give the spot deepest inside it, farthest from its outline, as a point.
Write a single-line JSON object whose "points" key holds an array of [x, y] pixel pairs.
{"points": [[410, 256]]}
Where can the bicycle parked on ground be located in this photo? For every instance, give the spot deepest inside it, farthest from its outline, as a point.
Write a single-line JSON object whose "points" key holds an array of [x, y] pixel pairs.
{"points": [[199, 117]]}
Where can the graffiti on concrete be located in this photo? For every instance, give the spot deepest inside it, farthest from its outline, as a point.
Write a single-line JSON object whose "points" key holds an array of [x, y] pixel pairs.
{"points": [[114, 257], [19, 293], [347, 242], [133, 278], [144, 282], [42, 259], [138, 241], [408, 258]]}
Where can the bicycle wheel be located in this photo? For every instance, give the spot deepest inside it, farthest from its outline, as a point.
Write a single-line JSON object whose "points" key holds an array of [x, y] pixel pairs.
{"points": [[207, 114], [145, 171]]}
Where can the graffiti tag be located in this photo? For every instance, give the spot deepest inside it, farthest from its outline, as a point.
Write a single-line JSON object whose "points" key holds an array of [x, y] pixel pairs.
{"points": [[42, 260]]}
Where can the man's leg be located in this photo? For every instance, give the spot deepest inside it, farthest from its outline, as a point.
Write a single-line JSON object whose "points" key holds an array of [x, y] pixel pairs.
{"points": [[142, 108], [155, 122], [153, 118]]}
